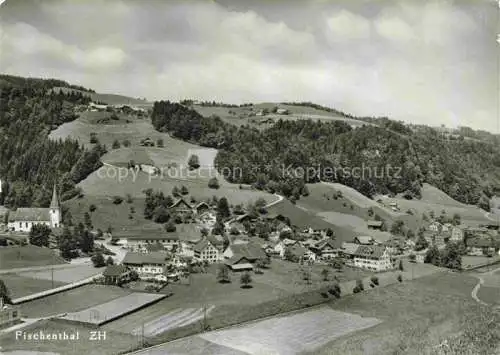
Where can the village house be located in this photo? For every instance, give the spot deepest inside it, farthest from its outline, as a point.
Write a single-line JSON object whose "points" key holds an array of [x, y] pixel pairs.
{"points": [[143, 241], [435, 227], [281, 246], [457, 233], [23, 219], [204, 250], [250, 251], [147, 265], [201, 208], [372, 257], [239, 263], [395, 246], [298, 253], [116, 274], [481, 246], [141, 159], [282, 111], [9, 315], [181, 207], [327, 249], [348, 251]]}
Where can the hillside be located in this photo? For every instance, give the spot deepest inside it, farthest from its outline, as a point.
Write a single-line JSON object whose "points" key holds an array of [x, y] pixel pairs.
{"points": [[109, 99]]}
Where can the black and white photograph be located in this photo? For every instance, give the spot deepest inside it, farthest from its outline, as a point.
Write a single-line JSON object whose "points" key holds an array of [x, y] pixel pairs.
{"points": [[249, 177]]}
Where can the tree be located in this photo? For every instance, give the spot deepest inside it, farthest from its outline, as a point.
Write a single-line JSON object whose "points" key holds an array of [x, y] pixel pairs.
{"points": [[116, 144], [433, 256], [374, 280], [400, 278], [260, 205], [223, 208], [117, 200], [4, 292], [457, 219], [329, 233], [194, 162], [324, 274], [412, 258], [126, 143], [160, 143], [86, 240], [98, 260], [39, 235], [421, 243], [359, 284], [400, 267], [184, 190], [213, 183], [170, 227], [223, 274], [129, 198], [397, 227], [87, 220], [246, 280], [110, 261], [175, 191]]}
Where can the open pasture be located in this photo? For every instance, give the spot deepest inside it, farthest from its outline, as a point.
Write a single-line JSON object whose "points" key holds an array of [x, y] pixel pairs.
{"points": [[21, 285], [26, 256], [64, 275]]}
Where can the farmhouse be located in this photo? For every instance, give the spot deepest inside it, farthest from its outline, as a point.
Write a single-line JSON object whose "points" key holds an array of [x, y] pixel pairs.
{"points": [[481, 246], [372, 257], [140, 158], [239, 263], [22, 219], [145, 241], [116, 274], [201, 208], [250, 251], [147, 266], [204, 250], [327, 249], [181, 207]]}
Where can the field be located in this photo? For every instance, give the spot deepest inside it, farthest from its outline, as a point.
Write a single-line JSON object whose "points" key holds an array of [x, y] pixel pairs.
{"points": [[65, 275], [296, 333], [25, 256], [72, 300], [432, 194], [20, 286], [416, 315], [115, 308], [113, 343]]}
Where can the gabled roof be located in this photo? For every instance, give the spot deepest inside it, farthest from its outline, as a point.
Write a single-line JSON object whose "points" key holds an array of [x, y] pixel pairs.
{"points": [[140, 156], [481, 242], [154, 247], [145, 258], [249, 251], [332, 243], [201, 204], [349, 248], [30, 214], [364, 239], [237, 259], [374, 223], [181, 201], [201, 245], [114, 270]]}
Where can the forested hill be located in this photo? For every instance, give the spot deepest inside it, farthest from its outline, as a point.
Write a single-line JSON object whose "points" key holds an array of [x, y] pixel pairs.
{"points": [[468, 171], [29, 162]]}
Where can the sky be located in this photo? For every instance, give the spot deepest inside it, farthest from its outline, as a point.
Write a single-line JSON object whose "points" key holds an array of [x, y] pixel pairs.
{"points": [[427, 62]]}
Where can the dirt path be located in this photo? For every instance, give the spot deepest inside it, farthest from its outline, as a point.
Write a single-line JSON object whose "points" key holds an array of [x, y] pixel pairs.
{"points": [[476, 288]]}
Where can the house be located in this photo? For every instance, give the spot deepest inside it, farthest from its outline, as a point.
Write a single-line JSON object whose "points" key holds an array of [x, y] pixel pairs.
{"points": [[364, 240], [420, 256], [327, 249], [147, 265], [297, 253], [349, 249], [116, 274], [395, 246], [250, 251], [435, 227], [140, 158], [204, 250], [201, 208], [139, 241], [181, 207], [457, 233], [374, 225], [481, 246], [217, 241], [239, 263], [23, 219], [282, 111], [372, 257], [281, 246]]}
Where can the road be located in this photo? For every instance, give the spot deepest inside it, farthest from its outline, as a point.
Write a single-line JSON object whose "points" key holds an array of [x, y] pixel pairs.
{"points": [[476, 288]]}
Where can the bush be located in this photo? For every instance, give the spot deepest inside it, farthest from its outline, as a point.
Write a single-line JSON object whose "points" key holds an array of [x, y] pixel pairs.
{"points": [[213, 183], [117, 200], [170, 227], [356, 289], [400, 278], [98, 260], [359, 284], [374, 280]]}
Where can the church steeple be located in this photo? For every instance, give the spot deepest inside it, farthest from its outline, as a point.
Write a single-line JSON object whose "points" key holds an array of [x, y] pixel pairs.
{"points": [[55, 201]]}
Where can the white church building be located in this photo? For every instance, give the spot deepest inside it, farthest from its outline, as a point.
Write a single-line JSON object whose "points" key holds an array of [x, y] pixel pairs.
{"points": [[22, 219]]}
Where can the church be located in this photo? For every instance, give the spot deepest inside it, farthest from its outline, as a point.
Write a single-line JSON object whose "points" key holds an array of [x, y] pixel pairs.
{"points": [[22, 219]]}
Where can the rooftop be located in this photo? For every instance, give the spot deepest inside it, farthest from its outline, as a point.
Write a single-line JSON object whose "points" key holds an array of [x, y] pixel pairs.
{"points": [[145, 258]]}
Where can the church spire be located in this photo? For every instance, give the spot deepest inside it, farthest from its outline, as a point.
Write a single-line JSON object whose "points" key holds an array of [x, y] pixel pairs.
{"points": [[55, 200]]}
